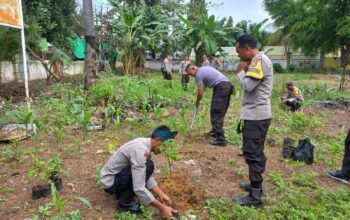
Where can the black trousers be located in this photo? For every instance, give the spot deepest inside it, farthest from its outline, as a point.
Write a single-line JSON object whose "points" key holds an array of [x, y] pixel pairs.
{"points": [[220, 101], [185, 78], [295, 105], [254, 135], [123, 180], [346, 160]]}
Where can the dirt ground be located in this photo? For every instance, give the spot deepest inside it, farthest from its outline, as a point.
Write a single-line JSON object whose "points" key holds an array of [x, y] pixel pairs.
{"points": [[202, 171]]}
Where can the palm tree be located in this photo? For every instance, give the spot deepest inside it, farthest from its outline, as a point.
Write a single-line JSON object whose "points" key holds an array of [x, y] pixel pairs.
{"points": [[90, 67]]}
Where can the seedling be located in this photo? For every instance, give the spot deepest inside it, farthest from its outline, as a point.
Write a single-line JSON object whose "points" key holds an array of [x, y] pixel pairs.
{"points": [[171, 153]]}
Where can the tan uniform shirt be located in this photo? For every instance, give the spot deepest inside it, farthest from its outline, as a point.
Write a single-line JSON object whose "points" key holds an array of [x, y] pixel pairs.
{"points": [[133, 154]]}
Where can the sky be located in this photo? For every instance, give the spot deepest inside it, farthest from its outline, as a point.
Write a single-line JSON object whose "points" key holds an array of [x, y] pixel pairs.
{"points": [[239, 9]]}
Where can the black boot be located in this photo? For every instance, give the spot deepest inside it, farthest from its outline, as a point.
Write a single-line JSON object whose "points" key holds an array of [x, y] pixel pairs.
{"points": [[126, 203], [252, 200], [219, 141], [247, 187]]}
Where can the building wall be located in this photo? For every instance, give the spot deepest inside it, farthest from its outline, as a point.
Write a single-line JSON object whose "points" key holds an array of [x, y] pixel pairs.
{"points": [[14, 72]]}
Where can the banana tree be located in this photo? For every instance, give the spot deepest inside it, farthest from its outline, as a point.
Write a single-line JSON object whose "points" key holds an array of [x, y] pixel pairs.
{"points": [[134, 32], [204, 37]]}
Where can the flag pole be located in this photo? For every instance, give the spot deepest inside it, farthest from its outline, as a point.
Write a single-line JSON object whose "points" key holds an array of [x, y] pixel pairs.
{"points": [[23, 42]]}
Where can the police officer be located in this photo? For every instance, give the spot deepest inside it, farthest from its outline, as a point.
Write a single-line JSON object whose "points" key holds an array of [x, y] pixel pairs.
{"points": [[343, 175], [255, 74], [129, 172], [293, 98], [222, 90]]}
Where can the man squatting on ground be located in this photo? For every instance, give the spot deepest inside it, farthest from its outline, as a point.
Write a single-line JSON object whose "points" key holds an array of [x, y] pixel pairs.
{"points": [[343, 175], [293, 98], [129, 172], [220, 100], [255, 74], [184, 75], [167, 68]]}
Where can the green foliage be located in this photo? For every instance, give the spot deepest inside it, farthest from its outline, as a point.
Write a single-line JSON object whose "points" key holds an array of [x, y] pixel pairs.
{"points": [[53, 20], [137, 27], [9, 43], [291, 67], [84, 201], [56, 200], [125, 216], [304, 179], [75, 215], [276, 178], [44, 211], [277, 68]]}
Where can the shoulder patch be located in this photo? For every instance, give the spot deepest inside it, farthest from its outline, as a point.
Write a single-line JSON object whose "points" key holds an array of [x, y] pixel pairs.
{"points": [[255, 69]]}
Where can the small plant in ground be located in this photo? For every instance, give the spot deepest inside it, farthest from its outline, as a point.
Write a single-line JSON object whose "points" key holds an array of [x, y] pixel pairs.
{"points": [[171, 153], [146, 213], [57, 201], [45, 210], [276, 178], [233, 162], [84, 201], [304, 179], [75, 215], [240, 171], [98, 173], [125, 216]]}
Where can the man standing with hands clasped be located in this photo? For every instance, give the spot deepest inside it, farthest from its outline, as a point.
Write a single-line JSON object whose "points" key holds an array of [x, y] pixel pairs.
{"points": [[222, 90], [255, 74]]}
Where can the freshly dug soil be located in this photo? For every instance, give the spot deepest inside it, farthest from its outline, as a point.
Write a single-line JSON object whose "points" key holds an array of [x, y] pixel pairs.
{"points": [[183, 193]]}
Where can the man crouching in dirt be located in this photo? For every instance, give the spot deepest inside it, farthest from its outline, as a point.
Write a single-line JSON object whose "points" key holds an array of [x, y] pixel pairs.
{"points": [[293, 98], [129, 172], [255, 74]]}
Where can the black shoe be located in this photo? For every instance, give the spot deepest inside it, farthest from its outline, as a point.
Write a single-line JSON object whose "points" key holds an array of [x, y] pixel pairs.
{"points": [[131, 207], [251, 200], [211, 133], [219, 142], [247, 187], [338, 175]]}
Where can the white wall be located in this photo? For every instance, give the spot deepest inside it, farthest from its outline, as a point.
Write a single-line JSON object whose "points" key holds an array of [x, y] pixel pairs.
{"points": [[14, 72]]}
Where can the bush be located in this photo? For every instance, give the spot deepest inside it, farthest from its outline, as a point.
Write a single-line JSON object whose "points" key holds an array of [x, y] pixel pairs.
{"points": [[277, 68], [291, 67]]}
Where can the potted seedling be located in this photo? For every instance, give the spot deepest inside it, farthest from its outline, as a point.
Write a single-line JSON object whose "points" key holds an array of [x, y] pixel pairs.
{"points": [[54, 170], [37, 172]]}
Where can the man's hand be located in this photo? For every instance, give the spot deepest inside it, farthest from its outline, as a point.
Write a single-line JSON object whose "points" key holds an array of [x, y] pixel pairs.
{"points": [[167, 212], [242, 66], [164, 199]]}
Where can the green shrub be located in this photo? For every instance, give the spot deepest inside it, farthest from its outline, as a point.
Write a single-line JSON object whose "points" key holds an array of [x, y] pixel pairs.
{"points": [[291, 67], [277, 68]]}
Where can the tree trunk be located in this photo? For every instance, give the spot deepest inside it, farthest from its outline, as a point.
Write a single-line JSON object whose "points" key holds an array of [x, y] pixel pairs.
{"points": [[321, 63], [90, 67], [345, 54], [344, 61], [199, 55]]}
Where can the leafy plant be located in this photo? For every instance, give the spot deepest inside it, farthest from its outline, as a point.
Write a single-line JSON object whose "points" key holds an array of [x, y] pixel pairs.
{"points": [[171, 153], [84, 201], [56, 200]]}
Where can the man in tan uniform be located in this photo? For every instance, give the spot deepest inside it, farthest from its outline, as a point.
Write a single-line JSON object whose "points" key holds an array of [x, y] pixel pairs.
{"points": [[129, 172]]}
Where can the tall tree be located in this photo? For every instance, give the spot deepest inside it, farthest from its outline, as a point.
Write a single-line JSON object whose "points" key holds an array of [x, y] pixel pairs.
{"points": [[316, 25], [90, 68]]}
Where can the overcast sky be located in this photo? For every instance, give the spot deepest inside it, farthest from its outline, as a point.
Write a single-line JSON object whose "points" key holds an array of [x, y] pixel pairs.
{"points": [[239, 9]]}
